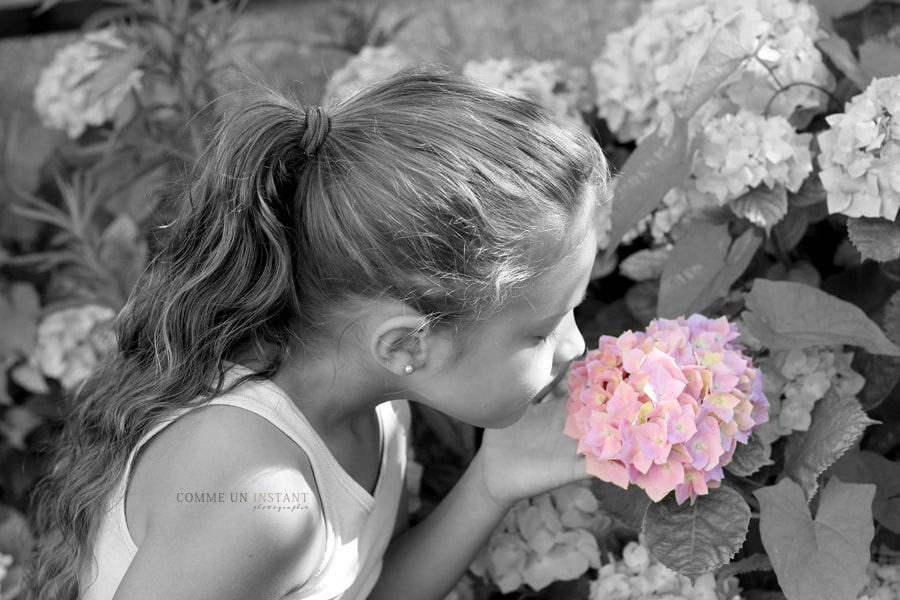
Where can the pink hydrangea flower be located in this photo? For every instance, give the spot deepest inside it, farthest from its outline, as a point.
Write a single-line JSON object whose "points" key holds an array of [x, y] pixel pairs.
{"points": [[664, 409]]}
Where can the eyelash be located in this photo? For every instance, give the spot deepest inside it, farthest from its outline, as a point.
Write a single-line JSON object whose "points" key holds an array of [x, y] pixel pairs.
{"points": [[547, 339]]}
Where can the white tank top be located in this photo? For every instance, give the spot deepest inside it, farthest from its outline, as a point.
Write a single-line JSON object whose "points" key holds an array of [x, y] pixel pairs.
{"points": [[358, 525]]}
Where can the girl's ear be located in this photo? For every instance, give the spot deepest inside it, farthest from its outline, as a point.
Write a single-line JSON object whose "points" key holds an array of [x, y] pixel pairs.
{"points": [[402, 345]]}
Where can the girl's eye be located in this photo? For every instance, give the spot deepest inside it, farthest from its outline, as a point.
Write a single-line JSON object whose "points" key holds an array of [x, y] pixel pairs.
{"points": [[547, 339]]}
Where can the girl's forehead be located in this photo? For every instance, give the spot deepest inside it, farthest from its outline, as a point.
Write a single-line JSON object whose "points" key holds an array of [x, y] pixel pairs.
{"points": [[561, 282]]}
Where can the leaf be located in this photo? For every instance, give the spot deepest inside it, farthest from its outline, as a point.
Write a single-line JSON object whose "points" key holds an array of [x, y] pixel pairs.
{"points": [[869, 467], [113, 72], [645, 264], [785, 315], [750, 457], [837, 423], [124, 252], [629, 506], [789, 231], [879, 58], [721, 60], [891, 318], [641, 299], [821, 559], [702, 266], [699, 538], [657, 165], [17, 424], [881, 374], [26, 152], [762, 206], [754, 562], [840, 53], [28, 377], [812, 192], [15, 536], [875, 238], [693, 263], [833, 9]]}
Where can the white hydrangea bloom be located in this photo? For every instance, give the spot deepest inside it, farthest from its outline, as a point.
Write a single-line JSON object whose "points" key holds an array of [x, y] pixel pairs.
{"points": [[744, 150], [884, 582], [561, 88], [370, 65], [639, 575], [794, 380], [787, 54], [64, 98], [6, 561], [551, 537], [71, 342], [860, 153], [644, 71]]}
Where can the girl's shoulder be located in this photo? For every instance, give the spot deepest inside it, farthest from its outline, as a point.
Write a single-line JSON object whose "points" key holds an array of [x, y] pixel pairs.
{"points": [[219, 467]]}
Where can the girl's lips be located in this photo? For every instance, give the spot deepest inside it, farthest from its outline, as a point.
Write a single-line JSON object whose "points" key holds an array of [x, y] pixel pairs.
{"points": [[562, 371]]}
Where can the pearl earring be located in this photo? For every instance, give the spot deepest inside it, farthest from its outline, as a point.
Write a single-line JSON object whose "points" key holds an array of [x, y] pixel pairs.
{"points": [[408, 369]]}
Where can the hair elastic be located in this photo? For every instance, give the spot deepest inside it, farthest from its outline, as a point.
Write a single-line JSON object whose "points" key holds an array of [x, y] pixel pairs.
{"points": [[317, 125]]}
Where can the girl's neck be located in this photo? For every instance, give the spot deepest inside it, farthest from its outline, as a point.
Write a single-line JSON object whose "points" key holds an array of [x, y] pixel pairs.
{"points": [[330, 397]]}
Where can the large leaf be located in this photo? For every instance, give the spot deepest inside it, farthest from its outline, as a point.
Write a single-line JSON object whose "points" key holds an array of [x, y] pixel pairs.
{"points": [[702, 267], [880, 58], [878, 239], [789, 231], [881, 374], [750, 457], [785, 315], [657, 165], [821, 559], [629, 506], [832, 9], [113, 72], [868, 467], [693, 263], [699, 538], [762, 206], [754, 562], [837, 423], [840, 53]]}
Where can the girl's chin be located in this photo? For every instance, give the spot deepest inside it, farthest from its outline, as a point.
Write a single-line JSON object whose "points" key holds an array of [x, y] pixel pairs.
{"points": [[507, 419]]}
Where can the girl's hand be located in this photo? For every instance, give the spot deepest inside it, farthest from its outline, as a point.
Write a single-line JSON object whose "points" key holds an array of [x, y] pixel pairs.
{"points": [[530, 457]]}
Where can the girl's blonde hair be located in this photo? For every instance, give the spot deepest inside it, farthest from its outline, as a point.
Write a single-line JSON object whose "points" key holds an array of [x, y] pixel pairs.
{"points": [[428, 188]]}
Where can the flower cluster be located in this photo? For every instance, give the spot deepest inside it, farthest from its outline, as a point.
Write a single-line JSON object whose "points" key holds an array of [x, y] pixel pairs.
{"points": [[6, 561], [65, 97], [561, 88], [639, 576], [665, 408], [743, 150], [551, 537], [860, 153], [644, 71], [796, 379], [71, 342], [371, 64], [884, 582]]}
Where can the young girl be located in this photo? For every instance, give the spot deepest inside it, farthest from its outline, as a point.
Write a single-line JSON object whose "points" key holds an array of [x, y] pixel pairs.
{"points": [[424, 240]]}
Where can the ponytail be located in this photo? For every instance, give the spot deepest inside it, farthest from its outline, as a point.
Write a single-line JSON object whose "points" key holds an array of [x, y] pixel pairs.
{"points": [[222, 283]]}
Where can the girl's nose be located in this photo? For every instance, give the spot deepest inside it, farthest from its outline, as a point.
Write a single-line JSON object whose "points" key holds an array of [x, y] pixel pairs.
{"points": [[571, 342]]}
